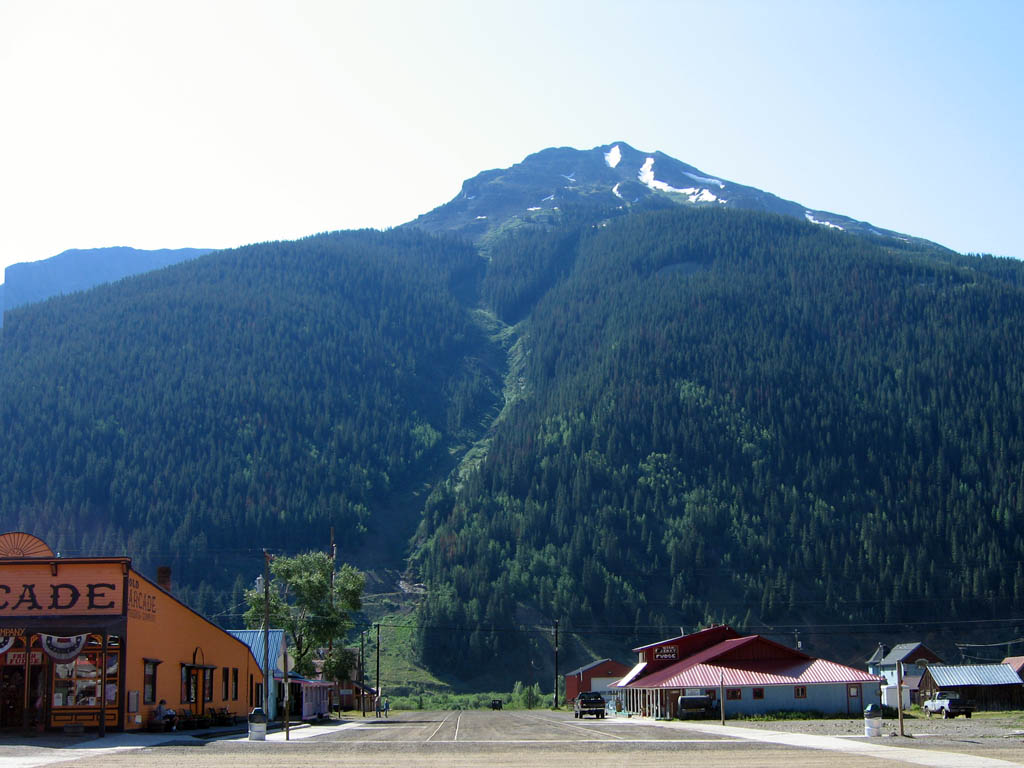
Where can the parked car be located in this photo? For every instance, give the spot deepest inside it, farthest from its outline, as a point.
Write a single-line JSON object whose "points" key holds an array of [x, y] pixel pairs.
{"points": [[588, 703], [495, 703], [694, 705], [948, 704]]}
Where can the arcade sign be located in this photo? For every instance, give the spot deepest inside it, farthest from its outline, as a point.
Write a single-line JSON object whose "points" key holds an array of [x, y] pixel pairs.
{"points": [[86, 588]]}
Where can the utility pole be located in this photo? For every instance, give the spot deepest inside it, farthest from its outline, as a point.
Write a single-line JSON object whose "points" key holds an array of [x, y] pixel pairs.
{"points": [[334, 557], [330, 640], [556, 663], [334, 562], [899, 694], [284, 674], [362, 671], [721, 696], [267, 676], [378, 659]]}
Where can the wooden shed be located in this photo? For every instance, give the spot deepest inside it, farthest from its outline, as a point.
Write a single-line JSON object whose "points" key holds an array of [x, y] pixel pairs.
{"points": [[987, 686]]}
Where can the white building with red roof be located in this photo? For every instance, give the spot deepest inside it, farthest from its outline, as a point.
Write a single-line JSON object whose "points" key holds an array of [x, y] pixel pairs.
{"points": [[753, 675]]}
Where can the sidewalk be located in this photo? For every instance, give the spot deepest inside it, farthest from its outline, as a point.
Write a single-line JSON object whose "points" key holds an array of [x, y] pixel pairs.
{"points": [[29, 751], [869, 747]]}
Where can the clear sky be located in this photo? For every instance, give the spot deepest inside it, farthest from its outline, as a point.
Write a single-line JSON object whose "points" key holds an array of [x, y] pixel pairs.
{"points": [[218, 123]]}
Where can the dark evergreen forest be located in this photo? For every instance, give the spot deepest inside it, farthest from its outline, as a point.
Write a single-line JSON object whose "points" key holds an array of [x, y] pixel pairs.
{"points": [[708, 415], [739, 418], [250, 399]]}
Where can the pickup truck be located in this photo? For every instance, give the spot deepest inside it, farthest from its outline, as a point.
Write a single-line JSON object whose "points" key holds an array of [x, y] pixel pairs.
{"points": [[948, 704], [588, 703]]}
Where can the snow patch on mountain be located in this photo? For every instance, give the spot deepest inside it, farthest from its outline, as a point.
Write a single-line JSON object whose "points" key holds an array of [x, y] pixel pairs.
{"points": [[613, 156], [702, 196], [693, 194], [706, 180], [829, 224], [615, 191], [646, 176]]}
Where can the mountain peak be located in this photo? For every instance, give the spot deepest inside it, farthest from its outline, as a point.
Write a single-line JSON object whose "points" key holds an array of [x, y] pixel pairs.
{"points": [[609, 175]]}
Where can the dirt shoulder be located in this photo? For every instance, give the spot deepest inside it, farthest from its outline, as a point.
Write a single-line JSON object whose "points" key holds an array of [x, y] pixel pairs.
{"points": [[1010, 727], [992, 736]]}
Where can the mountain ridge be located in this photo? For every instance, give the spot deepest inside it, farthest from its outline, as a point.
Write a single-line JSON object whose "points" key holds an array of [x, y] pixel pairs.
{"points": [[78, 269], [613, 174]]}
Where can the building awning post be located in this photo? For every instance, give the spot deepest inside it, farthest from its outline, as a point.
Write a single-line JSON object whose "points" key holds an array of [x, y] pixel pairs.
{"points": [[28, 678], [102, 731]]}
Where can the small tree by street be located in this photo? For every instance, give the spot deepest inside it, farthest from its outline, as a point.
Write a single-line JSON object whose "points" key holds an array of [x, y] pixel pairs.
{"points": [[314, 616]]}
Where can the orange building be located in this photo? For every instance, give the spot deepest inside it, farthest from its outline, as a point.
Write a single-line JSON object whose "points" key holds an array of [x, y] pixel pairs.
{"points": [[91, 642]]}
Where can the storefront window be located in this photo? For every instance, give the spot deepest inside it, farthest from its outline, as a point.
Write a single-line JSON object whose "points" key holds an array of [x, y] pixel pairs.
{"points": [[207, 685], [111, 681], [76, 682], [149, 682]]}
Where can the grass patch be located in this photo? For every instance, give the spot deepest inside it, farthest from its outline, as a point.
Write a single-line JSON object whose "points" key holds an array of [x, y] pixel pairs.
{"points": [[400, 675], [521, 697]]}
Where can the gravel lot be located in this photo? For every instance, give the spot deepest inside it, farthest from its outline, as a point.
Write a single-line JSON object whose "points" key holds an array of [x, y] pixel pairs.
{"points": [[528, 739], [1010, 728], [999, 737]]}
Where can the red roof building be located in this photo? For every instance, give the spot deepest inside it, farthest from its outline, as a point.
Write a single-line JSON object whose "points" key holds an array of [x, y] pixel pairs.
{"points": [[595, 676], [753, 674]]}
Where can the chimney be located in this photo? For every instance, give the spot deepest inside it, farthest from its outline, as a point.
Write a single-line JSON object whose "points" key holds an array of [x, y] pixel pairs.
{"points": [[163, 577]]}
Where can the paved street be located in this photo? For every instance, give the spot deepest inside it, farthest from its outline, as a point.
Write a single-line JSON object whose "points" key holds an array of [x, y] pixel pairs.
{"points": [[512, 739]]}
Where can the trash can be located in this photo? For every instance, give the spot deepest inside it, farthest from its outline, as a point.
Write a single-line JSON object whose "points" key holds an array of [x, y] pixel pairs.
{"points": [[873, 720], [258, 725]]}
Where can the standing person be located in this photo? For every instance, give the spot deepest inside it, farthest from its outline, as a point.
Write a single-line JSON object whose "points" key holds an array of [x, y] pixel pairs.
{"points": [[387, 706], [376, 704]]}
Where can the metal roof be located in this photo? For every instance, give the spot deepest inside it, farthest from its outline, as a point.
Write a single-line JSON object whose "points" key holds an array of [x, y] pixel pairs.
{"points": [[703, 636], [878, 655], [585, 667], [294, 677], [631, 675], [751, 660], [1016, 663], [973, 674], [254, 639], [757, 673], [909, 652]]}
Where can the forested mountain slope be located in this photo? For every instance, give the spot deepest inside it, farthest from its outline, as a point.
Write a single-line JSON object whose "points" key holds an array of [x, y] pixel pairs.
{"points": [[740, 417], [251, 398], [708, 414], [79, 270]]}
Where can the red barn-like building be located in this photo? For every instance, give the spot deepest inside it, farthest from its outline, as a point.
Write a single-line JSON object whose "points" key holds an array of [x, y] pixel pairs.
{"points": [[595, 676]]}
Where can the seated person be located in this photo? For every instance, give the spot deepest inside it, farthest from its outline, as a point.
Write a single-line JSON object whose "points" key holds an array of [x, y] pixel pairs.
{"points": [[168, 716]]}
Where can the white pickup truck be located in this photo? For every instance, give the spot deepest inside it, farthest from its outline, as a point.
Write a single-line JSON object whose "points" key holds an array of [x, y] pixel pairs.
{"points": [[948, 704]]}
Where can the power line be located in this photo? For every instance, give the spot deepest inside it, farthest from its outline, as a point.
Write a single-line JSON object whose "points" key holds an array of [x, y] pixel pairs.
{"points": [[990, 645]]}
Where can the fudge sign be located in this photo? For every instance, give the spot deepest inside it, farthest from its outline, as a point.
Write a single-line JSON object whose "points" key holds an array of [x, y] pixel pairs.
{"points": [[666, 652]]}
